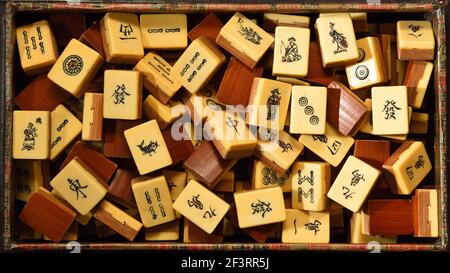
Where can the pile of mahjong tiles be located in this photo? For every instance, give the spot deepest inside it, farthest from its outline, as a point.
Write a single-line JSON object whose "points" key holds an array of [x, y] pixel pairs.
{"points": [[222, 128]]}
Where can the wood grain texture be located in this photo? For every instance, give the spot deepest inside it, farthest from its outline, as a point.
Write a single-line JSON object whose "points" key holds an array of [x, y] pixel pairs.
{"points": [[373, 152], [116, 145], [390, 217], [209, 27], [207, 165], [424, 213], [46, 215], [179, 150], [66, 26], [316, 73], [102, 166], [345, 111], [41, 94], [92, 37], [197, 235], [120, 189], [237, 82], [414, 73]]}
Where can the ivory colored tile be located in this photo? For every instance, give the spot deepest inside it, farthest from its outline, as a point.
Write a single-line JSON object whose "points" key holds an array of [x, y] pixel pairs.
{"points": [[263, 177], [81, 219], [164, 31], [260, 207], [121, 35], [370, 69], [176, 182], [244, 39], [353, 183], [31, 135], [337, 40], [92, 117], [415, 40], [291, 52], [390, 110], [79, 186], [201, 206], [310, 184], [156, 77], [197, 65], [367, 125], [407, 167], [331, 147], [306, 227], [164, 114], [153, 200], [165, 232], [37, 46], [75, 68], [147, 147], [118, 220], [28, 178], [231, 136], [308, 110], [65, 127], [277, 149], [272, 20], [359, 19], [268, 104], [122, 94], [358, 237], [426, 213], [416, 80]]}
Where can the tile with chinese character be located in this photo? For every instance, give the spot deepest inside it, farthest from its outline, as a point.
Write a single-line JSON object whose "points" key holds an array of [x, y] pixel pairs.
{"points": [[390, 110], [122, 94], [201, 206], [306, 227]]}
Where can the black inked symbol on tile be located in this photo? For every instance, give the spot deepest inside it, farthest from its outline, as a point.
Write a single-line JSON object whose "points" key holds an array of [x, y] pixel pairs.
{"points": [[270, 177], [285, 146], [362, 72], [148, 149], [309, 110], [362, 55], [314, 120], [127, 32], [261, 207], [72, 65], [248, 33], [415, 29], [357, 177], [314, 226], [390, 109], [74, 185], [209, 214], [347, 193], [273, 102], [338, 39], [119, 94], [290, 51], [195, 202], [30, 134], [232, 123]]}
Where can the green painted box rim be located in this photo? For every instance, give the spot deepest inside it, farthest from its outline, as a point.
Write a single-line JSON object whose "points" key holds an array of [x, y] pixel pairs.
{"points": [[435, 11]]}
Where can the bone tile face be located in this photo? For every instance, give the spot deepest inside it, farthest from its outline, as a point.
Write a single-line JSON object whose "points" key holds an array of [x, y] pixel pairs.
{"points": [[310, 184], [244, 39], [291, 52], [122, 95], [390, 110], [75, 67], [269, 102], [65, 127], [121, 37], [337, 40], [370, 68], [415, 40], [407, 167], [153, 200], [156, 77], [308, 110], [260, 207], [31, 135], [37, 46], [164, 31], [198, 63], [306, 227], [264, 177], [331, 147], [201, 206], [353, 183], [81, 188], [147, 147]]}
